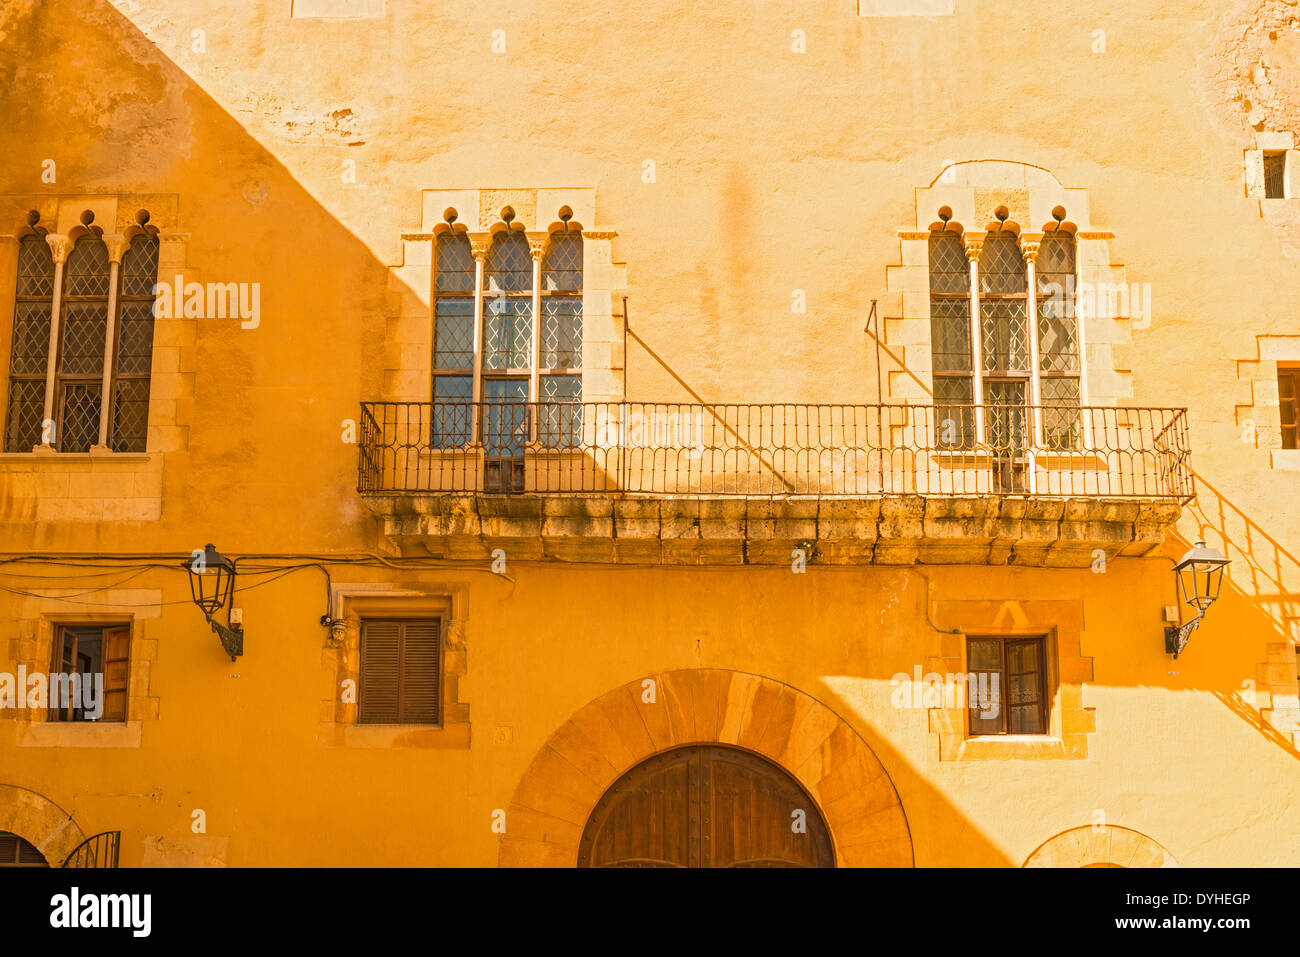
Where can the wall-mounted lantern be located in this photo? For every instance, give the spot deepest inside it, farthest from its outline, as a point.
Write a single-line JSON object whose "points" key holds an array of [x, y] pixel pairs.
{"points": [[212, 582], [1199, 575]]}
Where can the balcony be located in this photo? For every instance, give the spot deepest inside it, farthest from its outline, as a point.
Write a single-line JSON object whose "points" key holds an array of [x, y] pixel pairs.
{"points": [[705, 484]]}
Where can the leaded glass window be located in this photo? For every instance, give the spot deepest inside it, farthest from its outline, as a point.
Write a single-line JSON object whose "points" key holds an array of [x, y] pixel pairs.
{"points": [[82, 346], [133, 353], [30, 346], [950, 340]]}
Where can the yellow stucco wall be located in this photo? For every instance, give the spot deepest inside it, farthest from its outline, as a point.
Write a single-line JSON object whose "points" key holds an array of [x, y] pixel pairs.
{"points": [[775, 171]]}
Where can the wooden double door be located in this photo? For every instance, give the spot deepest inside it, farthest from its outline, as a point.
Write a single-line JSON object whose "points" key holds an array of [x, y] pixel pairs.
{"points": [[706, 806]]}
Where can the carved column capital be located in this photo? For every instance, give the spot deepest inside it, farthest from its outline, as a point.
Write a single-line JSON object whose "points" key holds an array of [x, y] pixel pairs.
{"points": [[60, 246], [974, 246], [116, 247], [479, 248], [1029, 243], [456, 633], [536, 247]]}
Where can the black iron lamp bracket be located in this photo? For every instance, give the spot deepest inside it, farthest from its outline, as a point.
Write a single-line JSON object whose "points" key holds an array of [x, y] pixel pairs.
{"points": [[1177, 636], [232, 639]]}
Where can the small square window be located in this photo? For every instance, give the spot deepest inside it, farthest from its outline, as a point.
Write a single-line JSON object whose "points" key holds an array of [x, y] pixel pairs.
{"points": [[1288, 397], [1010, 685], [1275, 175], [401, 672], [89, 673]]}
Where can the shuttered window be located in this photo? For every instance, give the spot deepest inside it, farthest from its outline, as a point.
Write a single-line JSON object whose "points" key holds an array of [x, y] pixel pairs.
{"points": [[401, 672], [96, 653], [16, 852], [1010, 694]]}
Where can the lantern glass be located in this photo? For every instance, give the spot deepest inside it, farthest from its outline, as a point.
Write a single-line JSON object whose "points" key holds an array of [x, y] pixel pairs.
{"points": [[1200, 575], [211, 578]]}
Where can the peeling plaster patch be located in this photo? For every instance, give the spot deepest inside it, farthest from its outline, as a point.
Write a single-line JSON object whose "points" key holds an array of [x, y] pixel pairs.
{"points": [[332, 128], [1255, 65]]}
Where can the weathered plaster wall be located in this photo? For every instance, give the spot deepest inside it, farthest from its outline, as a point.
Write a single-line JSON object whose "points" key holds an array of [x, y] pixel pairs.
{"points": [[774, 171]]}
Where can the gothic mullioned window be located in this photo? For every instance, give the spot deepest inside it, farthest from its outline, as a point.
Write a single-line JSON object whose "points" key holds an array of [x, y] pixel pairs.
{"points": [[516, 375], [93, 389], [1023, 371]]}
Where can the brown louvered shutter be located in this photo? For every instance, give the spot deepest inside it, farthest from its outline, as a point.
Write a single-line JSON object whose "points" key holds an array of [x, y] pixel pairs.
{"points": [[421, 673], [377, 698], [116, 672], [401, 673]]}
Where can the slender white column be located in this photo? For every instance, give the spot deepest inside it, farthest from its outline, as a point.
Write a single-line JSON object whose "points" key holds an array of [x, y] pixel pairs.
{"points": [[974, 246], [116, 247], [1029, 248], [479, 248], [59, 248], [536, 247]]}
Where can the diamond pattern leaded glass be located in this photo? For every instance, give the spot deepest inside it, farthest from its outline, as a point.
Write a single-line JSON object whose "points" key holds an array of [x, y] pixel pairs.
{"points": [[950, 334], [561, 424], [455, 264], [82, 332], [31, 342], [135, 338], [1062, 427], [949, 269], [954, 419], [562, 332], [562, 271], [1004, 335], [451, 411], [509, 264], [507, 333], [1006, 420], [505, 417], [87, 269], [1058, 346], [139, 270], [454, 334], [23, 422], [79, 426], [30, 345], [35, 269], [130, 421], [1002, 267]]}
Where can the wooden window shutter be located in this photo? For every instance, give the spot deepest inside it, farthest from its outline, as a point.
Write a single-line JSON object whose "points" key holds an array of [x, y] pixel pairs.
{"points": [[401, 673], [117, 672]]}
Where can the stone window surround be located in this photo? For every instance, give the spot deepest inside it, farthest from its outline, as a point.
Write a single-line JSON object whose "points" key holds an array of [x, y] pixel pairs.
{"points": [[974, 190], [35, 649], [1263, 413], [117, 211], [1069, 722], [408, 371], [1029, 243], [102, 485], [350, 603], [1271, 142], [480, 245]]}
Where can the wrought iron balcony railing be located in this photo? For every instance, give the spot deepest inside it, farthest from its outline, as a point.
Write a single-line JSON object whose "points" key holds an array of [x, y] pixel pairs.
{"points": [[774, 450]]}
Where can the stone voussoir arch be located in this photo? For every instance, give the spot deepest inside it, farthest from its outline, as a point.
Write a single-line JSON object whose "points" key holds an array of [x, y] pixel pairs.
{"points": [[1103, 845], [40, 822], [615, 732]]}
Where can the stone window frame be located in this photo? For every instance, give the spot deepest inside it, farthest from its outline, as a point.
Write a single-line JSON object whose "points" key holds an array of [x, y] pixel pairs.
{"points": [[102, 485], [1260, 419], [62, 246], [540, 246], [351, 603], [974, 190], [35, 648], [1271, 142], [408, 346], [1067, 668]]}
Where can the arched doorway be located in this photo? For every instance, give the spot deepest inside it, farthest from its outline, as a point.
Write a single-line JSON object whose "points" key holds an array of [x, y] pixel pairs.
{"points": [[706, 806], [705, 707]]}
